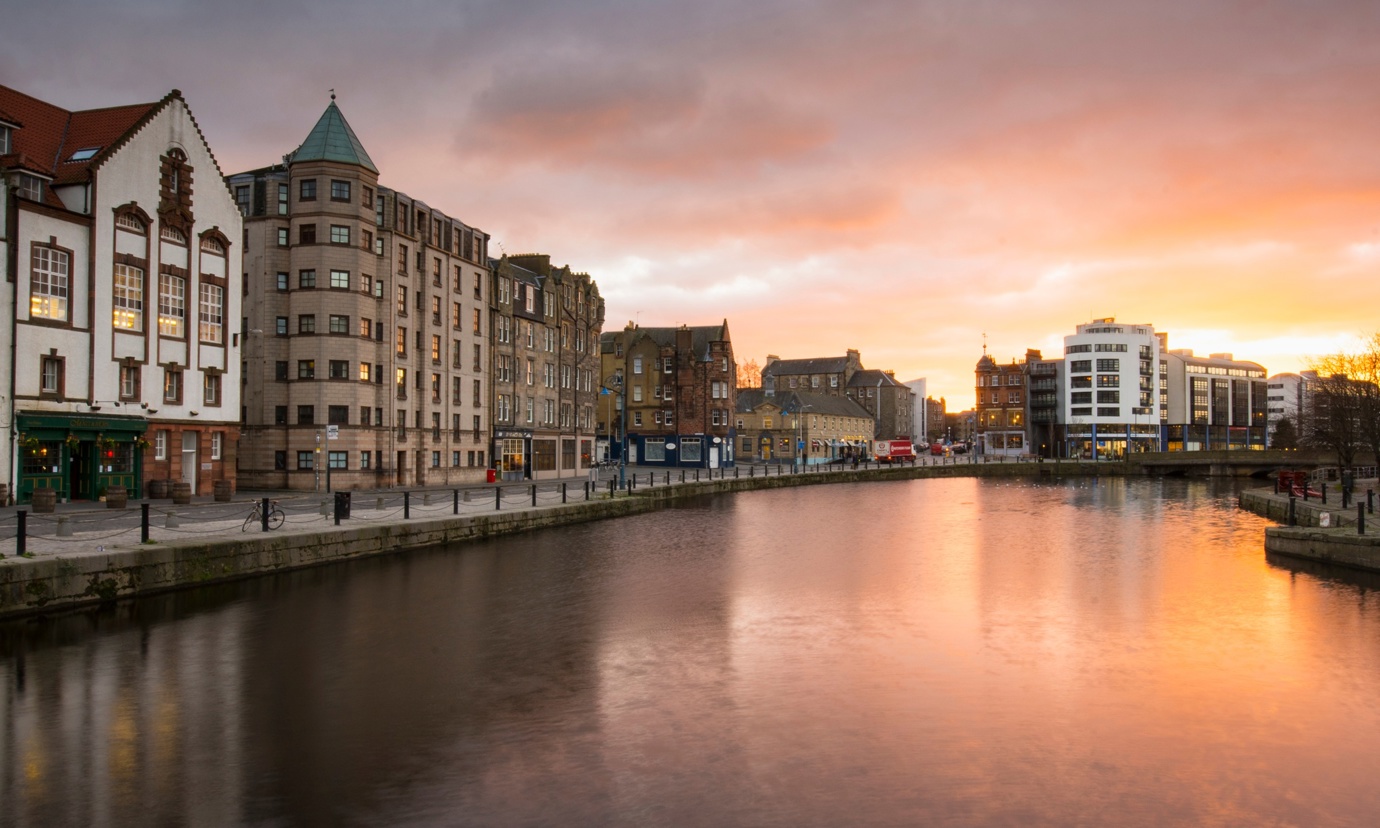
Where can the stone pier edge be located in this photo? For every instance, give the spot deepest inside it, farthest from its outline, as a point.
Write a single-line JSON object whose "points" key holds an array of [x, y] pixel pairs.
{"points": [[61, 583], [1340, 546]]}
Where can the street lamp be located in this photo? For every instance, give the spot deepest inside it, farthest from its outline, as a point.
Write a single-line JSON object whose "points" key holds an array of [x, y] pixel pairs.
{"points": [[799, 439], [617, 388]]}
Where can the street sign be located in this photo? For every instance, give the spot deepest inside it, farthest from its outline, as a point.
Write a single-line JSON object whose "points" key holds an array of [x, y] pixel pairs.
{"points": [[332, 432]]}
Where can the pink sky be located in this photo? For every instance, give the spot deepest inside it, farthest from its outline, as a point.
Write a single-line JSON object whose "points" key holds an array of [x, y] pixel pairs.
{"points": [[896, 177]]}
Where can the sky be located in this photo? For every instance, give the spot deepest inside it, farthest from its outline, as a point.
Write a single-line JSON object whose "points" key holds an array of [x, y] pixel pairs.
{"points": [[910, 179]]}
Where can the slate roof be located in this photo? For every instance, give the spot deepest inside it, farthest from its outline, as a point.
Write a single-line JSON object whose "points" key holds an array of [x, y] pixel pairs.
{"points": [[700, 337], [816, 365], [872, 378], [749, 399], [333, 140]]}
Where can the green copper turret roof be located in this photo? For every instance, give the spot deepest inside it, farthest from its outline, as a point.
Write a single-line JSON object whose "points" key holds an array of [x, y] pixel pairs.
{"points": [[333, 140]]}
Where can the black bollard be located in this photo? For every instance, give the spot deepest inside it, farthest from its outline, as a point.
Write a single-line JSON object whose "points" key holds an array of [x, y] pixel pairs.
{"points": [[1360, 519], [611, 485], [21, 532], [534, 495], [407, 505], [1322, 487], [1370, 501], [143, 522], [455, 506], [498, 498], [563, 492], [263, 514], [1293, 515]]}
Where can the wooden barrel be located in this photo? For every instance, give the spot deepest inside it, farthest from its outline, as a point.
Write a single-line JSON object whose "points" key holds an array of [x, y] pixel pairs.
{"points": [[158, 489], [181, 492], [223, 489], [4, 494], [116, 497], [44, 500]]}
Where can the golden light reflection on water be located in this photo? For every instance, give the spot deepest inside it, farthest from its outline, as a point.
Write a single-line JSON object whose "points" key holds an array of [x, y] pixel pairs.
{"points": [[947, 651]]}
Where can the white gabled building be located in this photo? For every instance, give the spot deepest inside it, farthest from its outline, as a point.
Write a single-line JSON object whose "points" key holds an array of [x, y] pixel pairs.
{"points": [[122, 289]]}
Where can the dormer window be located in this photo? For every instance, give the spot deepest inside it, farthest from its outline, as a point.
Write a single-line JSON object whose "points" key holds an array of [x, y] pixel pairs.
{"points": [[85, 154], [30, 187], [5, 132]]}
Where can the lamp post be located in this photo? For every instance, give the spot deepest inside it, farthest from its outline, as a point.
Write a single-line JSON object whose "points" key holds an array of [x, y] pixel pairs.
{"points": [[799, 439], [617, 388]]}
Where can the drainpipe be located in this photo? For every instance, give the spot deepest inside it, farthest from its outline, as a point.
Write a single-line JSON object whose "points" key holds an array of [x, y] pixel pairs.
{"points": [[11, 271]]}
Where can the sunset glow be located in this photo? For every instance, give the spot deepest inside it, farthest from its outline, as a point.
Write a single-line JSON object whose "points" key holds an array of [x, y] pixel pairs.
{"points": [[899, 178]]}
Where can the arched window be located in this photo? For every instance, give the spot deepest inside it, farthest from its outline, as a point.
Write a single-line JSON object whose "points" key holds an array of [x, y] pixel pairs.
{"points": [[172, 234], [131, 222]]}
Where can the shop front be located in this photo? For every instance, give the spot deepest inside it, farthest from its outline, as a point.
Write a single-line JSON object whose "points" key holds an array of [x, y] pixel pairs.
{"points": [[512, 453], [79, 456]]}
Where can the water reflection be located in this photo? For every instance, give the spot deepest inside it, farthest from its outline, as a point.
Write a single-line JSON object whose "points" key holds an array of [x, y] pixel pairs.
{"points": [[945, 651]]}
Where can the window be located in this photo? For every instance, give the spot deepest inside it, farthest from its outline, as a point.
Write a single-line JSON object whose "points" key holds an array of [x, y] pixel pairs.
{"points": [[402, 340], [280, 326], [305, 461], [217, 444], [306, 189], [172, 305], [339, 324], [128, 298], [172, 385], [435, 310], [306, 369], [340, 190], [476, 320], [210, 388], [129, 382], [336, 459], [340, 279], [280, 369], [1080, 366], [282, 280], [338, 414], [160, 445], [637, 365], [306, 414], [1108, 381], [306, 234], [365, 459], [30, 187], [212, 310], [280, 415], [338, 369], [1109, 412], [51, 375], [282, 237], [340, 234], [282, 199], [1109, 365], [366, 327], [402, 300], [306, 278], [435, 348], [306, 323], [48, 283]]}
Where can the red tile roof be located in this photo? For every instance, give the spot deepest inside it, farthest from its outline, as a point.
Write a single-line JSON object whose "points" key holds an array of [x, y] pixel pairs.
{"points": [[48, 134]]}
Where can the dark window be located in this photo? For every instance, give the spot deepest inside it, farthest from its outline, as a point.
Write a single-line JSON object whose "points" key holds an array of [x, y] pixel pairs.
{"points": [[339, 369], [304, 460], [306, 234], [338, 414], [306, 414], [280, 369], [306, 189], [340, 190], [306, 369], [306, 324], [280, 415], [280, 460], [306, 279]]}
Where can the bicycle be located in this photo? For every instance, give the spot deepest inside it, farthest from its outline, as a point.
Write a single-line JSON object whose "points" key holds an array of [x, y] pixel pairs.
{"points": [[256, 516]]}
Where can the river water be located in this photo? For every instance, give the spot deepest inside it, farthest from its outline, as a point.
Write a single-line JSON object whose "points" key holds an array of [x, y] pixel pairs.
{"points": [[942, 652]]}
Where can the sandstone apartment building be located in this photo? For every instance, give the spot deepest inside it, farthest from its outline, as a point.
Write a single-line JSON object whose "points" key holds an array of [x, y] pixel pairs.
{"points": [[366, 326]]}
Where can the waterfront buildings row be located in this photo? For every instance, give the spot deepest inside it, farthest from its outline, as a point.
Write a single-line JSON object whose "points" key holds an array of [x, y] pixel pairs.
{"points": [[1119, 388]]}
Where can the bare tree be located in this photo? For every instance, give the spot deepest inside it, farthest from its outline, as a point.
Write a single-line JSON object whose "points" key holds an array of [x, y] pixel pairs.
{"points": [[749, 374], [1343, 404]]}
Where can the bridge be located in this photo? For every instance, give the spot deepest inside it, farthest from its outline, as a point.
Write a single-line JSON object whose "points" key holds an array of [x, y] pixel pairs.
{"points": [[1240, 463]]}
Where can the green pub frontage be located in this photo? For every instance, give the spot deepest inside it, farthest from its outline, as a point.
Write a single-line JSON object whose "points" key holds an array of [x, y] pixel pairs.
{"points": [[79, 457]]}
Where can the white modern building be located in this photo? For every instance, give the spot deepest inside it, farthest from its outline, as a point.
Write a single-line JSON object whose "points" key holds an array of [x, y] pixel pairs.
{"points": [[1211, 403], [1109, 399], [1285, 399]]}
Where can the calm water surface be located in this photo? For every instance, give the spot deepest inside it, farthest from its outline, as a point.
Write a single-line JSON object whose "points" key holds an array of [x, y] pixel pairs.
{"points": [[947, 652]]}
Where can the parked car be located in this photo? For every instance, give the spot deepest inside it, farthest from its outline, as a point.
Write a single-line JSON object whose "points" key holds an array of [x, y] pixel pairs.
{"points": [[937, 449]]}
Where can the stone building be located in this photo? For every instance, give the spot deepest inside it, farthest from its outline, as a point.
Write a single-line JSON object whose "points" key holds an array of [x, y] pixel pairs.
{"points": [[1000, 394], [680, 385], [122, 261], [546, 323], [891, 403], [799, 426], [366, 318]]}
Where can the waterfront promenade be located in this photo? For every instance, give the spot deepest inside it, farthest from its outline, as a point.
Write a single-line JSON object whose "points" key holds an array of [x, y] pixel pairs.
{"points": [[1325, 532], [84, 553]]}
